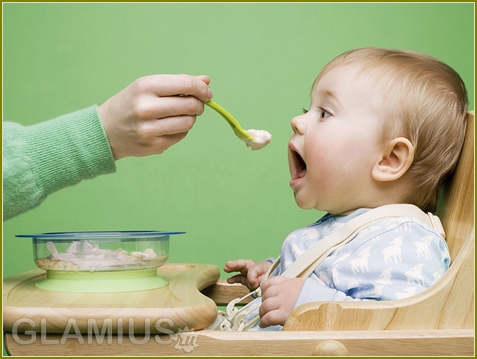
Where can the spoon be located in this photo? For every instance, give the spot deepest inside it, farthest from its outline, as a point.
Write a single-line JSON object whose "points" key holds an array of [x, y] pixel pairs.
{"points": [[238, 130]]}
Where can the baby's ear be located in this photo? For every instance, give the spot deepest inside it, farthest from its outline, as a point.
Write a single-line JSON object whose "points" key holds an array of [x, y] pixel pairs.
{"points": [[396, 159]]}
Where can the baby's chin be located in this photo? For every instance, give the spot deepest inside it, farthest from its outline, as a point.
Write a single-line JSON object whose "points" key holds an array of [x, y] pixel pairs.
{"points": [[307, 204], [303, 203]]}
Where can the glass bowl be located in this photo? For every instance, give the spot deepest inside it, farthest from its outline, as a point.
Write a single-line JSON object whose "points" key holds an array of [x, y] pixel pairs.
{"points": [[123, 260]]}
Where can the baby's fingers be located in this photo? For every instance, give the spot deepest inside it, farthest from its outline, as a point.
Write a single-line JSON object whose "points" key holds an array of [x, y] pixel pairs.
{"points": [[271, 313], [238, 265], [238, 278]]}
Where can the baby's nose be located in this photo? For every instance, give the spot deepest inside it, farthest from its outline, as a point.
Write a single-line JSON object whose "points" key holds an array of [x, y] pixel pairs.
{"points": [[298, 125]]}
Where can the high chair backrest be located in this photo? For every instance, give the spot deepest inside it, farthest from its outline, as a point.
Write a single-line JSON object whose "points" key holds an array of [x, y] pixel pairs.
{"points": [[448, 304], [457, 212]]}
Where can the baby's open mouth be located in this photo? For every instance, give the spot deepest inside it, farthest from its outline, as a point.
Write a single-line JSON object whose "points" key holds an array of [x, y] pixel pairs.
{"points": [[298, 165]]}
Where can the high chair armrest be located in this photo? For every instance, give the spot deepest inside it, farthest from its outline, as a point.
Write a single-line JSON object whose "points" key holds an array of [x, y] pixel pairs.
{"points": [[222, 292], [341, 316]]}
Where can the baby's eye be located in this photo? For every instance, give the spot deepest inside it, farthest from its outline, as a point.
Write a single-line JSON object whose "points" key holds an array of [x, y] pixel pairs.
{"points": [[324, 113], [305, 111]]}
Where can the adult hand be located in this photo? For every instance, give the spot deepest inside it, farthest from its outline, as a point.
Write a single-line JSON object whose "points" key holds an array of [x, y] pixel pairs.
{"points": [[153, 113]]}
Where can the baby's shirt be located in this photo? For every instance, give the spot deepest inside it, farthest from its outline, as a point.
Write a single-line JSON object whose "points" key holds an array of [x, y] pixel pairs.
{"points": [[390, 259]]}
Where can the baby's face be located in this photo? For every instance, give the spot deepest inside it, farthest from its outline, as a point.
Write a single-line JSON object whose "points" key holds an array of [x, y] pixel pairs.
{"points": [[336, 143]]}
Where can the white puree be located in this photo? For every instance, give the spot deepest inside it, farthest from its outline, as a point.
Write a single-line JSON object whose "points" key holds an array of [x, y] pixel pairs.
{"points": [[262, 138], [81, 256]]}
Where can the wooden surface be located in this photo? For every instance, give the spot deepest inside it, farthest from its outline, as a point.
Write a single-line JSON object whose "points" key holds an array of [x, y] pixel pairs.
{"points": [[223, 293], [177, 306], [457, 215], [208, 343]]}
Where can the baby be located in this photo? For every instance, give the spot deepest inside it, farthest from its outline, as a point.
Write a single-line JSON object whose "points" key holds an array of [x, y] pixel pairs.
{"points": [[384, 127]]}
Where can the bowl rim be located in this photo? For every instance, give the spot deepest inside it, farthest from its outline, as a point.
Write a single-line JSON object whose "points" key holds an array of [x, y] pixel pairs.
{"points": [[98, 234]]}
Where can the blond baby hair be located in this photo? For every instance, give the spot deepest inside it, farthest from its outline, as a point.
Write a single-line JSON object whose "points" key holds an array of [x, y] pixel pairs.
{"points": [[425, 101]]}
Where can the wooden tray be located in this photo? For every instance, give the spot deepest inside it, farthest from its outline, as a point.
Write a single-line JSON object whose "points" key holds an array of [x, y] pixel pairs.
{"points": [[176, 307]]}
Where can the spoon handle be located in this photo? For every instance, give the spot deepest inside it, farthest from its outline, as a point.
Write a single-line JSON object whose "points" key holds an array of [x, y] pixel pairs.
{"points": [[238, 130]]}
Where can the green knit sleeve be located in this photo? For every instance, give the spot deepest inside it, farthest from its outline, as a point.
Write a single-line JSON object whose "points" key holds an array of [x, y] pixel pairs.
{"points": [[43, 158]]}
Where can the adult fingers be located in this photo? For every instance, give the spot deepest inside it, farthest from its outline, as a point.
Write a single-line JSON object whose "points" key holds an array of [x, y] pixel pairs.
{"points": [[173, 85], [147, 108], [167, 126]]}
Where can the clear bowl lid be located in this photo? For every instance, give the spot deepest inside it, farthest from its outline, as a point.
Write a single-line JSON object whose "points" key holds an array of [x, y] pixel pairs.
{"points": [[96, 235]]}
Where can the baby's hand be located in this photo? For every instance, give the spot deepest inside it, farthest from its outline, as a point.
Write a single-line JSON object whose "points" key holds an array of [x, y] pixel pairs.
{"points": [[279, 295], [250, 272]]}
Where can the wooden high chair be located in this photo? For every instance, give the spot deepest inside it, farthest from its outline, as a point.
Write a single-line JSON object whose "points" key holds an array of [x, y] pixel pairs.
{"points": [[436, 322]]}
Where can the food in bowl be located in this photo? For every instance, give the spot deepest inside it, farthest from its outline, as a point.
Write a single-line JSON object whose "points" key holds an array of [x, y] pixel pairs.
{"points": [[100, 251]]}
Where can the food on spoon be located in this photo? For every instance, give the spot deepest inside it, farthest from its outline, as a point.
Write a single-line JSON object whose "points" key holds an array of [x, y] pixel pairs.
{"points": [[261, 139]]}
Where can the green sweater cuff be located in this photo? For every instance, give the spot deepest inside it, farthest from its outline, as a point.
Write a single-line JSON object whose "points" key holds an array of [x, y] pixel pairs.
{"points": [[68, 149]]}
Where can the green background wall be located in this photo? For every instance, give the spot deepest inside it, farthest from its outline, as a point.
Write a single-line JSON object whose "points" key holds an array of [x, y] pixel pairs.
{"points": [[262, 59]]}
